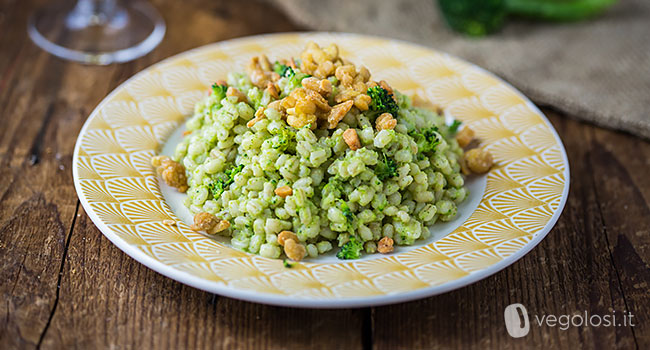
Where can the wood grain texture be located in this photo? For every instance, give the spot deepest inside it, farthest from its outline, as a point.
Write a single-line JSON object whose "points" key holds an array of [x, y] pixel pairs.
{"points": [[66, 286], [104, 293], [622, 186], [37, 203], [569, 272]]}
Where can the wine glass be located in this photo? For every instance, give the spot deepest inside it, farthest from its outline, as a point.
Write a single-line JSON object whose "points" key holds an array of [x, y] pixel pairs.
{"points": [[97, 31]]}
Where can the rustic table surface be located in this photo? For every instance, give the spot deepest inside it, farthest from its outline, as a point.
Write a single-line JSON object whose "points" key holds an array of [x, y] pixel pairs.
{"points": [[64, 285]]}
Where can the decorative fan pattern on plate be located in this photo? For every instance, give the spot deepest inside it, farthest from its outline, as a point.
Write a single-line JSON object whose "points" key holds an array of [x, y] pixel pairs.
{"points": [[119, 188]]}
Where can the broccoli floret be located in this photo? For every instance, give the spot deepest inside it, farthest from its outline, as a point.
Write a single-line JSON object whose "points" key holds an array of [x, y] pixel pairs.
{"points": [[221, 182], [234, 170], [334, 185], [351, 249], [386, 167], [346, 211], [287, 264], [350, 218], [283, 70], [382, 101], [295, 78], [283, 139], [453, 128], [219, 91], [426, 139], [217, 187]]}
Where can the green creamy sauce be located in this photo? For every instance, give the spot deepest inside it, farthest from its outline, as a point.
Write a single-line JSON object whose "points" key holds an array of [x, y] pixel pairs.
{"points": [[396, 185]]}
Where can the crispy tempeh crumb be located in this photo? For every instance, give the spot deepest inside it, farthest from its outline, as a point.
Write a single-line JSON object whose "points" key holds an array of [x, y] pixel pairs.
{"points": [[284, 191], [352, 139]]}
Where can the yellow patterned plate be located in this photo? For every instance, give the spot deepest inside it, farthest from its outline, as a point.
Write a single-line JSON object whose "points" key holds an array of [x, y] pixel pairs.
{"points": [[509, 211]]}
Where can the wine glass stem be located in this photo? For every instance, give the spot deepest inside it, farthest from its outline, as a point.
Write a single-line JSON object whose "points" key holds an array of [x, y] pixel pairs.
{"points": [[92, 12], [97, 31]]}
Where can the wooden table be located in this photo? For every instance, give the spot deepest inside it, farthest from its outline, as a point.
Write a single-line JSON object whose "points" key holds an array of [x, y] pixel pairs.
{"points": [[64, 285]]}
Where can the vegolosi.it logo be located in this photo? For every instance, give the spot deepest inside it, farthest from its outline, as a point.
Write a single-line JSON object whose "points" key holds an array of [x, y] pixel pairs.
{"points": [[518, 322]]}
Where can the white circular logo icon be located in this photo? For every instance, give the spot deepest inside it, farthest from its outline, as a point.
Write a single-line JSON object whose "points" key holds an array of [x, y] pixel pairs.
{"points": [[516, 319]]}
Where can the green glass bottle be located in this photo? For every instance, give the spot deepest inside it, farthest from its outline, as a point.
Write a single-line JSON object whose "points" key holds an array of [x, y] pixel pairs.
{"points": [[482, 17], [558, 10], [474, 17]]}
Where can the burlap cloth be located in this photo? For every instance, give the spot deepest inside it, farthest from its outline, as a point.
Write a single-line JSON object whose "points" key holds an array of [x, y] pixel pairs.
{"points": [[597, 70]]}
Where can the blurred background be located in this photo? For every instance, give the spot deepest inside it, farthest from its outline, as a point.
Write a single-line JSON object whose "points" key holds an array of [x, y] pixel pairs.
{"points": [[587, 58]]}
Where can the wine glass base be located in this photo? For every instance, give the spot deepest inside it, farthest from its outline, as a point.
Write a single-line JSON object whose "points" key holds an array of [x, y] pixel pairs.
{"points": [[114, 33]]}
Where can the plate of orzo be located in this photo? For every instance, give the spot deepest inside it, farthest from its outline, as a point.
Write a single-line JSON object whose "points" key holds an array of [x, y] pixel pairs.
{"points": [[320, 170]]}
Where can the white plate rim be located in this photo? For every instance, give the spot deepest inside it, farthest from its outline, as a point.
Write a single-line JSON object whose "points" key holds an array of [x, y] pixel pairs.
{"points": [[329, 303]]}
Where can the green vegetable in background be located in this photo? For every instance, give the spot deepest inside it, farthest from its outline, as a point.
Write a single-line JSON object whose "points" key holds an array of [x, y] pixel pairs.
{"points": [[558, 10], [474, 17], [481, 17]]}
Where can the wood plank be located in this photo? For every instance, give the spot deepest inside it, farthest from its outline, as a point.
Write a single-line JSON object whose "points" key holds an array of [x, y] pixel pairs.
{"points": [[149, 310], [622, 186], [37, 200], [109, 300], [43, 103], [569, 272]]}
